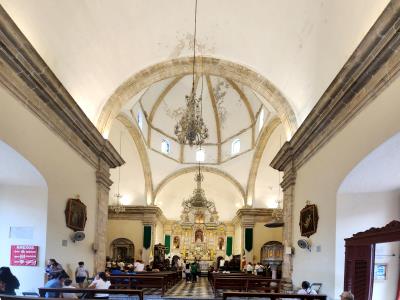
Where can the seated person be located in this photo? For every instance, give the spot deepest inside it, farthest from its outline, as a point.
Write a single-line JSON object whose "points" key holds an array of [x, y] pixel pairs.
{"points": [[55, 283], [100, 283], [306, 289], [346, 296], [67, 285], [9, 282]]}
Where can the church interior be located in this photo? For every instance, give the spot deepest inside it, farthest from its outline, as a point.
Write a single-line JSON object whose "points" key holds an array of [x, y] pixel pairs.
{"points": [[215, 134]]}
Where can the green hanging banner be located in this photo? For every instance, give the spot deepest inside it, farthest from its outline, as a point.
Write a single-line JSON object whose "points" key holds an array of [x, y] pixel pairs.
{"points": [[167, 242], [146, 236], [248, 239], [229, 246]]}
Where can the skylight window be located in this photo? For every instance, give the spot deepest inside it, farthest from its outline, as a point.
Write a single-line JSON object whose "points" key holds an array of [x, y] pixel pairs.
{"points": [[235, 147], [165, 147], [200, 155], [140, 120], [261, 120]]}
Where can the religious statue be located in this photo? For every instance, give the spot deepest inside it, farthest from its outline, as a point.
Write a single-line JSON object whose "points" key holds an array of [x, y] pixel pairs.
{"points": [[220, 243], [198, 236], [176, 242]]}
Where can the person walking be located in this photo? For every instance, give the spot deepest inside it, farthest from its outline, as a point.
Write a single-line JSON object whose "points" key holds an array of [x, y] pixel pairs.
{"points": [[81, 273]]}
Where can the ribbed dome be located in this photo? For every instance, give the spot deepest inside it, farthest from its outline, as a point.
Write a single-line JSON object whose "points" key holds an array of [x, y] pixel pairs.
{"points": [[231, 111]]}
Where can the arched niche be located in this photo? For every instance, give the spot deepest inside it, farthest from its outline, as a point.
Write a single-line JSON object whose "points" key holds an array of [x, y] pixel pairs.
{"points": [[122, 249], [369, 196], [23, 213]]}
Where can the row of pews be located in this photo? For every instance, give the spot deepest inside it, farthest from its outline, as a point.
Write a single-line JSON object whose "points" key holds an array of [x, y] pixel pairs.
{"points": [[249, 285], [242, 282], [129, 285], [157, 280]]}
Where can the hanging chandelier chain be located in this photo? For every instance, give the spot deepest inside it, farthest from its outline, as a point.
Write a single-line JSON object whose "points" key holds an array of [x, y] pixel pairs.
{"points": [[190, 129], [194, 43]]}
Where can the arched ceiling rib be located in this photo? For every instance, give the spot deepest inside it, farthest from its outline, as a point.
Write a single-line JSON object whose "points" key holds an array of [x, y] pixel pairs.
{"points": [[208, 65], [194, 169], [141, 147]]}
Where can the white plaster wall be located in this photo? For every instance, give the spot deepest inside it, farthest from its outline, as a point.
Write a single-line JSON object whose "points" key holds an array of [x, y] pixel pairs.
{"points": [[261, 235], [128, 229], [387, 289], [267, 186], [132, 184], [66, 173], [359, 212], [24, 206], [225, 195], [319, 179]]}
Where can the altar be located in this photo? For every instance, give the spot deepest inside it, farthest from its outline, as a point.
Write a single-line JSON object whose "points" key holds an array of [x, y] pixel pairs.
{"points": [[199, 235]]}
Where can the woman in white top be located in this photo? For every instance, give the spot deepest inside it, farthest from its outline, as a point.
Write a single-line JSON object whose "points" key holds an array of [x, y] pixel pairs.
{"points": [[100, 283]]}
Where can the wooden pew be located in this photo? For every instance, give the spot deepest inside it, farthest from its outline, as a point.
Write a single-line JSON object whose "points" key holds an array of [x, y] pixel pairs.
{"points": [[146, 280], [271, 296], [233, 283], [266, 285], [139, 282], [89, 292]]}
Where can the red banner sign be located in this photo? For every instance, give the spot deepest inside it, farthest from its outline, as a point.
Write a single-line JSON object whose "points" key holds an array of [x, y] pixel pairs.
{"points": [[24, 255]]}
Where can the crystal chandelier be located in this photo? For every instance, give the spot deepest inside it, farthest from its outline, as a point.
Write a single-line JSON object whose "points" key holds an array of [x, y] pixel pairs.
{"points": [[198, 209], [198, 200], [119, 207], [191, 129]]}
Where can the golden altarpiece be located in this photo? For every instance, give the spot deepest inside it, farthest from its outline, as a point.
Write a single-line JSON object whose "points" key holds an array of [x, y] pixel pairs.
{"points": [[199, 234]]}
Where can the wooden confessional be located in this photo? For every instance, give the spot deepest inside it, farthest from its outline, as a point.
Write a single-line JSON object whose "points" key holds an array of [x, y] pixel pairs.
{"points": [[360, 258]]}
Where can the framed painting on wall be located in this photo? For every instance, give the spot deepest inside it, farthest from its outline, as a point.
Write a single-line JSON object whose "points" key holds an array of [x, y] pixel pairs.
{"points": [[308, 220], [75, 214]]}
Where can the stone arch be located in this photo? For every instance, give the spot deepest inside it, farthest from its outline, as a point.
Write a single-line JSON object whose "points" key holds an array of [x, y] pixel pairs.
{"points": [[263, 139], [208, 169], [141, 147], [208, 65], [121, 246]]}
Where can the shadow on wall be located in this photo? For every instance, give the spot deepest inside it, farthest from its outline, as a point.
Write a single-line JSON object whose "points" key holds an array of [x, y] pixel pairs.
{"points": [[368, 197], [23, 215]]}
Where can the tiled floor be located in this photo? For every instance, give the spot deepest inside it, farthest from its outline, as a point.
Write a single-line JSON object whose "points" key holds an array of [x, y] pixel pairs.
{"points": [[184, 290]]}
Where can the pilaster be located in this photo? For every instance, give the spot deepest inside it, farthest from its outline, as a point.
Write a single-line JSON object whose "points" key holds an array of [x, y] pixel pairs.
{"points": [[103, 184]]}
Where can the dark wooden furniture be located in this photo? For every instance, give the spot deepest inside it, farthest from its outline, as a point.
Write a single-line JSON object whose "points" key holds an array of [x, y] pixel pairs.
{"points": [[89, 292], [271, 296], [243, 282], [159, 280], [360, 258]]}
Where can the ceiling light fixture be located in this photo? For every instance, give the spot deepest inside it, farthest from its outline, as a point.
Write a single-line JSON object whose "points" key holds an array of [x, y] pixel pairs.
{"points": [[277, 213], [190, 129], [119, 207]]}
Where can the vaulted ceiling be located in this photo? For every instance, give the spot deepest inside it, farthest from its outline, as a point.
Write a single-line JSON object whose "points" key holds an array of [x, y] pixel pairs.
{"points": [[256, 55], [94, 46]]}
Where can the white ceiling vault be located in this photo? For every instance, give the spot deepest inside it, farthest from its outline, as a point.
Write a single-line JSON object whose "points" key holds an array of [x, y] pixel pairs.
{"points": [[295, 47], [94, 46]]}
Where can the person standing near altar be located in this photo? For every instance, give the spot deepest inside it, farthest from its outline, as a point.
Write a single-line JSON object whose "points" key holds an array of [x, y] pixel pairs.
{"points": [[193, 271]]}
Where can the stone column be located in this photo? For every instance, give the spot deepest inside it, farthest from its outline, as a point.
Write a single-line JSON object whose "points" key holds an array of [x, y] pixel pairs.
{"points": [[103, 188], [150, 218], [288, 185]]}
